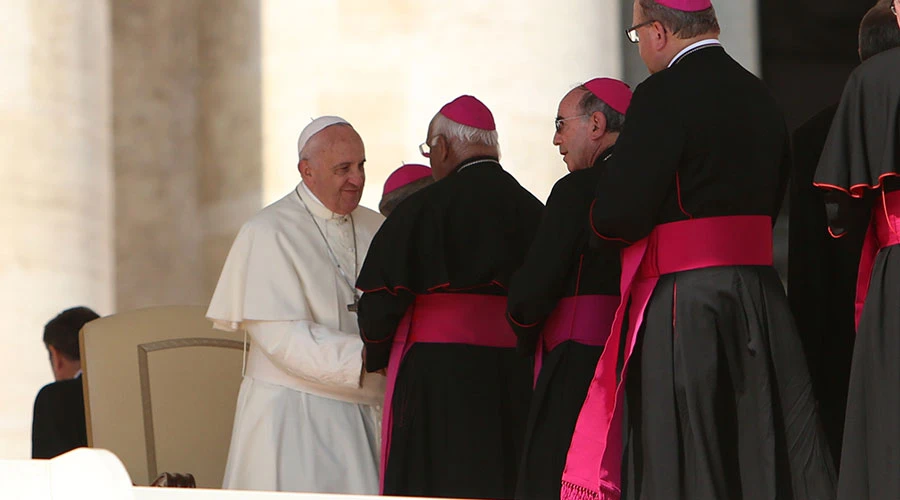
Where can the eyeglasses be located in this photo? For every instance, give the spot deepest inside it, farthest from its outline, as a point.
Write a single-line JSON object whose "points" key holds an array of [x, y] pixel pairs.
{"points": [[632, 32], [425, 148], [559, 122]]}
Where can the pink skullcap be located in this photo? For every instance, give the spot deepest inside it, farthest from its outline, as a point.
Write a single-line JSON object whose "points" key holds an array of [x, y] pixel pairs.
{"points": [[613, 92], [407, 174], [466, 110], [686, 5]]}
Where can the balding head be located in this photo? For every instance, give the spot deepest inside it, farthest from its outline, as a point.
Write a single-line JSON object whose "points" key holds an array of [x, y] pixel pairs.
{"points": [[332, 166]]}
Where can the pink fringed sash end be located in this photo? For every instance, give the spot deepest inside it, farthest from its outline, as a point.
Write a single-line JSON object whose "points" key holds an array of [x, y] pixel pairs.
{"points": [[572, 491], [595, 451]]}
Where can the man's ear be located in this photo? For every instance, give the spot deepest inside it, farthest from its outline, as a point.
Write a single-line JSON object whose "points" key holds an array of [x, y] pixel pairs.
{"points": [[444, 147], [305, 169], [660, 36], [598, 125], [56, 359]]}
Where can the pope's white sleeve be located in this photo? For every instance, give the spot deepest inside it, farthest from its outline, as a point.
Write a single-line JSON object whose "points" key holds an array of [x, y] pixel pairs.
{"points": [[310, 351]]}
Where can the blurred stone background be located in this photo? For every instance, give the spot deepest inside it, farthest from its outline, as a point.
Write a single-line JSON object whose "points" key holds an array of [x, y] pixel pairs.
{"points": [[138, 135]]}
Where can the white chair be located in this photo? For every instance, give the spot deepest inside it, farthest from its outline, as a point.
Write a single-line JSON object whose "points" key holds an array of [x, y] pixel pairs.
{"points": [[160, 389]]}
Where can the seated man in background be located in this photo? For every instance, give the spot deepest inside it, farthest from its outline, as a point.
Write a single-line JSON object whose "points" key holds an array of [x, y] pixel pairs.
{"points": [[58, 423]]}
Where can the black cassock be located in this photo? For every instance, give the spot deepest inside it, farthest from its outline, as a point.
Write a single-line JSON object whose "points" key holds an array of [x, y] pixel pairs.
{"points": [[558, 265], [821, 281], [459, 411], [722, 406], [862, 159]]}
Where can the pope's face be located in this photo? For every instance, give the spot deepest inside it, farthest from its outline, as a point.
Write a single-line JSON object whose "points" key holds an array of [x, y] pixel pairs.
{"points": [[335, 168]]}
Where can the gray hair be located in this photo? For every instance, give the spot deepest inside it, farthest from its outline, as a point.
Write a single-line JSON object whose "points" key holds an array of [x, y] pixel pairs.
{"points": [[441, 125], [682, 24], [591, 104]]}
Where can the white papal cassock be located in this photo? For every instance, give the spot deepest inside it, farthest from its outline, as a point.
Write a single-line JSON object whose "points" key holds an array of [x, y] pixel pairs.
{"points": [[308, 418]]}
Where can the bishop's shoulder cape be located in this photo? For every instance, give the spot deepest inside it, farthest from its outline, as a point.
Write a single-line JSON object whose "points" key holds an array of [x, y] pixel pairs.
{"points": [[466, 231], [863, 147]]}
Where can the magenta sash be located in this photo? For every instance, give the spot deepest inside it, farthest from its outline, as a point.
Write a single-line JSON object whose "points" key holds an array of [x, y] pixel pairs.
{"points": [[594, 461], [585, 319], [883, 231], [442, 318]]}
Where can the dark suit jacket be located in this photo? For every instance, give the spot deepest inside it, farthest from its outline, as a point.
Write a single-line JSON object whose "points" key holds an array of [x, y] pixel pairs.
{"points": [[58, 425]]}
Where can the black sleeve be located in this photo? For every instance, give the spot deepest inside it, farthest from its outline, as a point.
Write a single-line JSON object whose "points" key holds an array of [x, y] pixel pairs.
{"points": [[538, 285], [379, 314], [641, 173], [845, 213]]}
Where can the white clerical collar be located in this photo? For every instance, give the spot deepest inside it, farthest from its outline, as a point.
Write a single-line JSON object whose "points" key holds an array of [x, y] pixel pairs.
{"points": [[77, 374], [315, 204], [692, 47]]}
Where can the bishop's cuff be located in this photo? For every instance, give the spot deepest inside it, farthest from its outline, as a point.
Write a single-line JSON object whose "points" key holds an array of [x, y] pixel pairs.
{"points": [[377, 356], [527, 335]]}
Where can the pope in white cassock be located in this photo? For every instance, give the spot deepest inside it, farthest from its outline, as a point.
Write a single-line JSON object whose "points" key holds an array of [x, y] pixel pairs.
{"points": [[308, 416]]}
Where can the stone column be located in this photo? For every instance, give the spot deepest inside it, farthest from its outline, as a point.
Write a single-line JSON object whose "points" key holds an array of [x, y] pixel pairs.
{"points": [[388, 67], [155, 76], [740, 31], [229, 128], [187, 143], [55, 188]]}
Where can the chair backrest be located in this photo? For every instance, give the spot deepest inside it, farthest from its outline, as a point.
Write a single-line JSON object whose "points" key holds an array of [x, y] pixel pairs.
{"points": [[160, 390]]}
